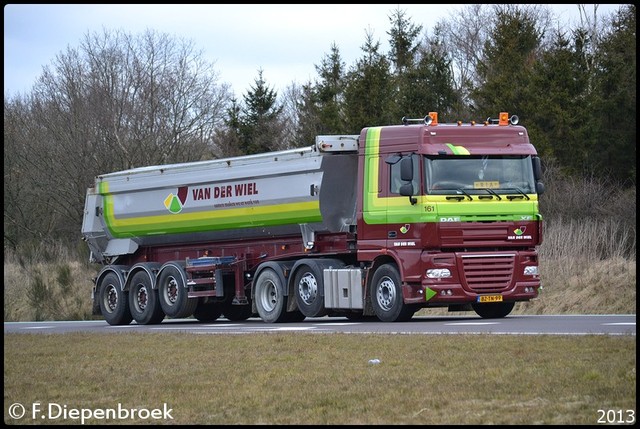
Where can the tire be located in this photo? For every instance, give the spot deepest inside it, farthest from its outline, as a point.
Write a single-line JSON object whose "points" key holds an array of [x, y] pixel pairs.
{"points": [[309, 289], [269, 297], [143, 300], [113, 301], [209, 312], [386, 296], [172, 294], [493, 310]]}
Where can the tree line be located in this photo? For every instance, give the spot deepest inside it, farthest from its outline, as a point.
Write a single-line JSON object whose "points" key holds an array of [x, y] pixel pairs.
{"points": [[119, 101]]}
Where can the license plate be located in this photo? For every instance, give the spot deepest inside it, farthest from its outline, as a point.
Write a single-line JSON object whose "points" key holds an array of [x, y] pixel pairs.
{"points": [[490, 298]]}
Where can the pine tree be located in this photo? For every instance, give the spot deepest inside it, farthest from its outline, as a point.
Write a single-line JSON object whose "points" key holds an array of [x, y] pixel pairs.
{"points": [[370, 91], [260, 127]]}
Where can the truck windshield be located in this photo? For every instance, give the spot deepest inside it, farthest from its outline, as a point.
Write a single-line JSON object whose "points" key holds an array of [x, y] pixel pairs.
{"points": [[479, 174]]}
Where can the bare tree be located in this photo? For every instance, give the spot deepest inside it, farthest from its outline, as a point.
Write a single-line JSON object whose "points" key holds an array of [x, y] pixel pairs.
{"points": [[290, 102], [115, 102]]}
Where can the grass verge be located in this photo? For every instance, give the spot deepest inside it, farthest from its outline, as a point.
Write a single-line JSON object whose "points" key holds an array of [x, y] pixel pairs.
{"points": [[302, 378]]}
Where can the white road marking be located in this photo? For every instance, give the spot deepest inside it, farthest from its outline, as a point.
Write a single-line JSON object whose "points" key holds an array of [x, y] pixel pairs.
{"points": [[472, 323]]}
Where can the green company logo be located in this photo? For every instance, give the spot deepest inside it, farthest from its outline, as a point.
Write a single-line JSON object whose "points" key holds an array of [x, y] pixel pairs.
{"points": [[174, 203], [518, 234], [520, 231]]}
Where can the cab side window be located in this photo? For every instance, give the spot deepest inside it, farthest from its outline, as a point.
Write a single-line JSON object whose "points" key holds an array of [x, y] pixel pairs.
{"points": [[395, 182], [395, 179]]}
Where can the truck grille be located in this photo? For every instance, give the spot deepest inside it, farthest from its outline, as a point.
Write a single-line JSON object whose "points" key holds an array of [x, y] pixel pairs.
{"points": [[488, 273]]}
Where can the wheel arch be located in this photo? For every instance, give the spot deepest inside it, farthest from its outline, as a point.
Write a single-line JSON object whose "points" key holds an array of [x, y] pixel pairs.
{"points": [[377, 263], [151, 268], [119, 270], [178, 265]]}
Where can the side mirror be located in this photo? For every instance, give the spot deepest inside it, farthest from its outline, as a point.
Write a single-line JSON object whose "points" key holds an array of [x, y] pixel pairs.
{"points": [[539, 187], [406, 169], [537, 168], [406, 175], [406, 190]]}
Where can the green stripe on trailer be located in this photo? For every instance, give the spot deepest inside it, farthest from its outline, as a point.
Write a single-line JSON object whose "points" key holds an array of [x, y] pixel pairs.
{"points": [[211, 220]]}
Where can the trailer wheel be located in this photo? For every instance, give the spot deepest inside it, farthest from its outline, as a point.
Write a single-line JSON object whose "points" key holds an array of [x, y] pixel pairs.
{"points": [[309, 289], [208, 312], [270, 298], [493, 310], [173, 294], [386, 296], [113, 301], [143, 300]]}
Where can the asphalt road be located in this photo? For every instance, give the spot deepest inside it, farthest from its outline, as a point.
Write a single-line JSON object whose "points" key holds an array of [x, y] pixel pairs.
{"points": [[614, 324]]}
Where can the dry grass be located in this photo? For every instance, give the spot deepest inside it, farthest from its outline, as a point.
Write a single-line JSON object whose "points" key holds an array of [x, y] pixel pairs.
{"points": [[58, 290], [302, 378]]}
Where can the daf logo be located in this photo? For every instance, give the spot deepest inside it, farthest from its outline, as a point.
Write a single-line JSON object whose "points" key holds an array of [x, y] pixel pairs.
{"points": [[450, 219]]}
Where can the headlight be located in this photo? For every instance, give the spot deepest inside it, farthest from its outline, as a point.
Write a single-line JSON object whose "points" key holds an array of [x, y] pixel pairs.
{"points": [[531, 271], [438, 273]]}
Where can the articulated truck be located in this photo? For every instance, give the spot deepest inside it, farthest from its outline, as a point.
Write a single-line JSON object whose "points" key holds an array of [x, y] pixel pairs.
{"points": [[377, 225]]}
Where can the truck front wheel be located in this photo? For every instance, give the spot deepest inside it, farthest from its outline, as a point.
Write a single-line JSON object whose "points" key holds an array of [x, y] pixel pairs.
{"points": [[113, 301], [269, 297], [493, 310], [386, 296]]}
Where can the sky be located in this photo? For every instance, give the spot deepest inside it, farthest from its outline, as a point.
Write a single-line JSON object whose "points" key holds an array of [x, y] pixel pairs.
{"points": [[285, 41]]}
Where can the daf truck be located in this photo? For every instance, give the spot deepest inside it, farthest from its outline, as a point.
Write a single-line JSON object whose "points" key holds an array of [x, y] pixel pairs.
{"points": [[379, 224]]}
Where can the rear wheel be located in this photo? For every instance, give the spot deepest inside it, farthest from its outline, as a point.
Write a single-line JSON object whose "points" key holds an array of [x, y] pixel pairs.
{"points": [[143, 300], [493, 310], [173, 294], [269, 297], [113, 301], [386, 296], [309, 289]]}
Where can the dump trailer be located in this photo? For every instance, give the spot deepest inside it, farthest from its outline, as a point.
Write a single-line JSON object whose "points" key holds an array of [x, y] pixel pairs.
{"points": [[398, 218]]}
